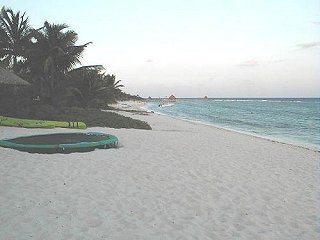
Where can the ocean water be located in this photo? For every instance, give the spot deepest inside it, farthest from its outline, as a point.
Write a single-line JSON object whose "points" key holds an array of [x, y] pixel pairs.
{"points": [[290, 120]]}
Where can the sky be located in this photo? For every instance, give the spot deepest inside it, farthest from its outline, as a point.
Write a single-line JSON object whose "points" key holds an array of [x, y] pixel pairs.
{"points": [[195, 48]]}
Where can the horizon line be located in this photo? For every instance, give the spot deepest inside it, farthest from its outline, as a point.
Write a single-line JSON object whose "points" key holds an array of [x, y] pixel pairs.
{"points": [[230, 97]]}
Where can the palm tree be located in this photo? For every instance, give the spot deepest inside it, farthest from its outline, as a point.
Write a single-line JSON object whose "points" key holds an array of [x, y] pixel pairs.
{"points": [[57, 47], [15, 35], [111, 83], [86, 87], [53, 55], [89, 86]]}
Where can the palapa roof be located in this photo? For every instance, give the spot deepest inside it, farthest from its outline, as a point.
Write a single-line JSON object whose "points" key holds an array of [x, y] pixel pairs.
{"points": [[9, 78], [172, 97]]}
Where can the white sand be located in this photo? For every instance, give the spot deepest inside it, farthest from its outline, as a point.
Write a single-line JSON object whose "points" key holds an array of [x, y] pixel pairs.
{"points": [[179, 181]]}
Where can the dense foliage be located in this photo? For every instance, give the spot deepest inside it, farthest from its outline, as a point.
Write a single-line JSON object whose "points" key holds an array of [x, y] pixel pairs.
{"points": [[49, 58], [61, 89]]}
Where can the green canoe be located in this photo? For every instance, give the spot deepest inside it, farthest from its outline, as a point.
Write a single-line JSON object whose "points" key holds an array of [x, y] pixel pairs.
{"points": [[28, 123]]}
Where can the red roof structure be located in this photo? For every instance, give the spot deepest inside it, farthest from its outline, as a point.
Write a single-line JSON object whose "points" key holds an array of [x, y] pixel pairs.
{"points": [[172, 98]]}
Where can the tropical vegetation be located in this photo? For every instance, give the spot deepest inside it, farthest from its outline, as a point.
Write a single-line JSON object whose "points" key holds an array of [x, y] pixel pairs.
{"points": [[48, 57]]}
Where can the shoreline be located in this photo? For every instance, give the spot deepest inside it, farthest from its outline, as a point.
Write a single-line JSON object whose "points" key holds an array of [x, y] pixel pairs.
{"points": [[141, 107], [242, 132]]}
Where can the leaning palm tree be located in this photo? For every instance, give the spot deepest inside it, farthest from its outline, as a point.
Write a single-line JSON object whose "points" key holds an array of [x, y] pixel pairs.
{"points": [[15, 36], [54, 53]]}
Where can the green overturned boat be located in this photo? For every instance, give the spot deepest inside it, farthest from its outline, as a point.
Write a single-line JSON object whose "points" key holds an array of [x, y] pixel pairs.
{"points": [[29, 123]]}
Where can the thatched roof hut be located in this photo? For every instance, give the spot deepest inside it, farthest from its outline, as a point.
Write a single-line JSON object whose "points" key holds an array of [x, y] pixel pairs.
{"points": [[9, 78]]}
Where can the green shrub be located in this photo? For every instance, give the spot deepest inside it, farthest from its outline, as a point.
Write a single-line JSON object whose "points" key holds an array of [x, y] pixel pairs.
{"points": [[92, 117]]}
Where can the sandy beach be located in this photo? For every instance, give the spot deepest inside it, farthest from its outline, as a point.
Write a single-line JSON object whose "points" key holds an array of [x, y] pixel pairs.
{"points": [[181, 180]]}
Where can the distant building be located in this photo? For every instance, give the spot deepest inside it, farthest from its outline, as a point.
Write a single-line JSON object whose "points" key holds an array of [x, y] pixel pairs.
{"points": [[205, 97], [172, 98]]}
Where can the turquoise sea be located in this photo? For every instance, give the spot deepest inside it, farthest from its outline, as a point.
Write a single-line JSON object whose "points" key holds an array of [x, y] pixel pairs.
{"points": [[289, 120]]}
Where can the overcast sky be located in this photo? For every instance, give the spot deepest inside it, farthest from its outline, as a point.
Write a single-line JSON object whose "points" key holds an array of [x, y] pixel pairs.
{"points": [[193, 48]]}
